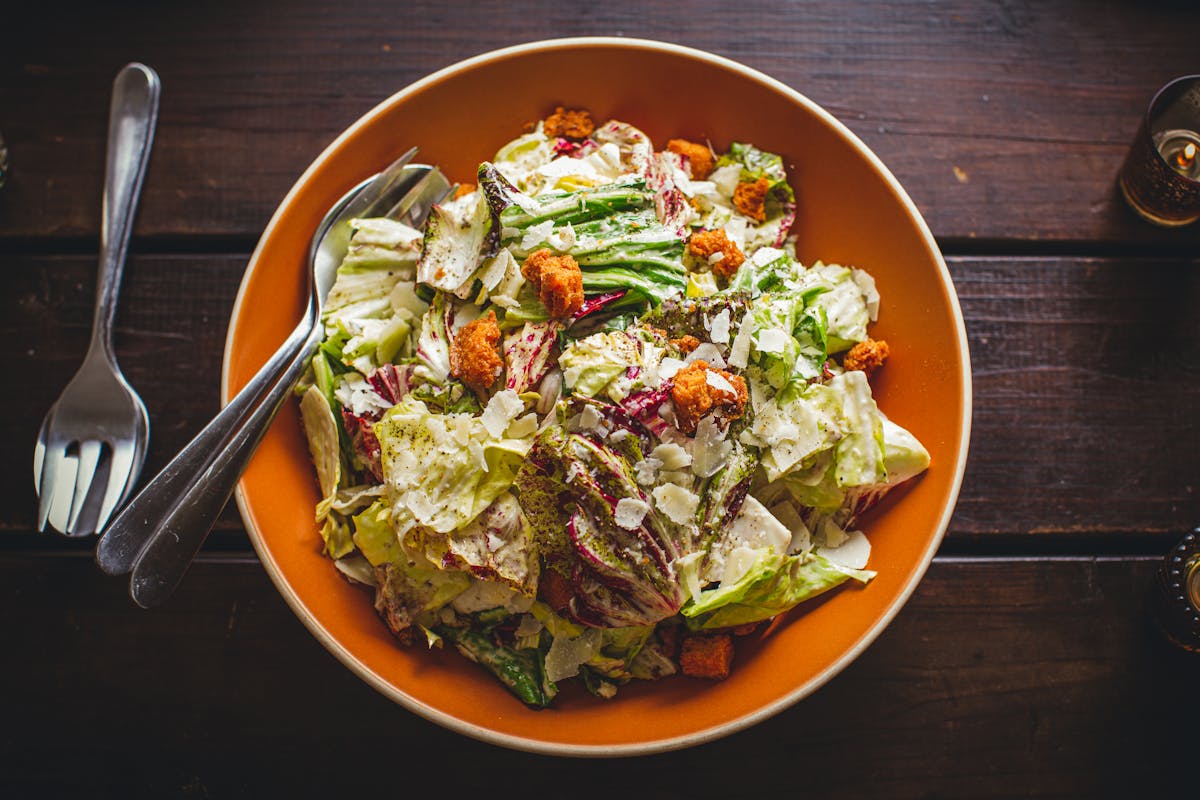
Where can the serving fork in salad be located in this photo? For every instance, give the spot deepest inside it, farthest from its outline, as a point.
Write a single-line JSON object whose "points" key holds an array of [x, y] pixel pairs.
{"points": [[92, 442], [157, 535]]}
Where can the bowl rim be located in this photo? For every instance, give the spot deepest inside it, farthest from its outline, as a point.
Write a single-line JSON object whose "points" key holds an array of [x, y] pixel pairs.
{"points": [[714, 732]]}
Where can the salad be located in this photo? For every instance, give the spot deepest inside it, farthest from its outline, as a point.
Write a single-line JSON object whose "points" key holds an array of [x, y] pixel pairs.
{"points": [[596, 420]]}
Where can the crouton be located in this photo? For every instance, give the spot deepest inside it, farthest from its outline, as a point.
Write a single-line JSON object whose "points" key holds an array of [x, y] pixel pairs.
{"points": [[866, 356], [686, 344], [707, 656], [463, 190], [569, 123], [558, 281], [555, 589], [699, 157], [475, 353], [694, 396], [707, 244], [750, 198]]}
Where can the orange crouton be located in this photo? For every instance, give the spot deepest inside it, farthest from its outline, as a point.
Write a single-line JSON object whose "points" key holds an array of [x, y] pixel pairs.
{"points": [[686, 343], [475, 353], [569, 123], [707, 656], [694, 396], [866, 356], [706, 244], [558, 281], [463, 190], [555, 589], [699, 157], [750, 198]]}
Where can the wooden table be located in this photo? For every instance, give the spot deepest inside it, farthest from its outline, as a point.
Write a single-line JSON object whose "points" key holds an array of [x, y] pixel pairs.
{"points": [[1025, 664]]}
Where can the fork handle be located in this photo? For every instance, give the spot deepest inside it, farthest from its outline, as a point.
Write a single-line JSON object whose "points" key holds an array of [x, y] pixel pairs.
{"points": [[182, 531], [130, 532], [131, 121]]}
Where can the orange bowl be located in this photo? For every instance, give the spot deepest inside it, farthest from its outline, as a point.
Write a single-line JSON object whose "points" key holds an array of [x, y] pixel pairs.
{"points": [[851, 211]]}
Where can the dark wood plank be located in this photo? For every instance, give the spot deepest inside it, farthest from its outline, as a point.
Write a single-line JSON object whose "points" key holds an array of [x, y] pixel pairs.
{"points": [[1004, 120], [1086, 375], [999, 679]]}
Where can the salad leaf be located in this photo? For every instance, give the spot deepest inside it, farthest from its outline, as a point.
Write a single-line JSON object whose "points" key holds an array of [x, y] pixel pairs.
{"points": [[773, 585], [521, 671], [621, 567], [844, 302], [496, 546], [409, 591], [518, 211], [527, 354], [455, 246], [375, 537], [321, 428], [442, 470], [594, 362], [757, 164]]}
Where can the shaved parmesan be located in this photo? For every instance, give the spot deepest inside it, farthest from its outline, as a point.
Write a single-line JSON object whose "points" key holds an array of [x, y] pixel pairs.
{"points": [[707, 352], [672, 456], [629, 513], [719, 330], [566, 654], [676, 502], [710, 451], [738, 562], [757, 528], [765, 255], [525, 426], [589, 418], [501, 410], [717, 381], [646, 470], [739, 351], [853, 552], [668, 367], [772, 340]]}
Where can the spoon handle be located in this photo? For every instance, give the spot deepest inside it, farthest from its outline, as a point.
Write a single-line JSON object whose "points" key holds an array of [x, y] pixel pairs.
{"points": [[130, 532], [180, 533]]}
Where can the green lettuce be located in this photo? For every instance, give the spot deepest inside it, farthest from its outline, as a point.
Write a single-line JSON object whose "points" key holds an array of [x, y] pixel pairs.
{"points": [[321, 429], [592, 363], [774, 584], [443, 470], [843, 300]]}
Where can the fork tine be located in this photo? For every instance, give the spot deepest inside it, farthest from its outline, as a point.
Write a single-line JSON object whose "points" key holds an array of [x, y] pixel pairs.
{"points": [[58, 484], [397, 207], [120, 479], [47, 461], [39, 458], [89, 457]]}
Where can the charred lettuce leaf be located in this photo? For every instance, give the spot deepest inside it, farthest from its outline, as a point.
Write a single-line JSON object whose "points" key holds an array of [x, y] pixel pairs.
{"points": [[572, 488]]}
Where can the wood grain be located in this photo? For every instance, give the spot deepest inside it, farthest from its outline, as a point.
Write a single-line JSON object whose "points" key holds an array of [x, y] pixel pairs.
{"points": [[1004, 120], [998, 679], [1085, 378]]}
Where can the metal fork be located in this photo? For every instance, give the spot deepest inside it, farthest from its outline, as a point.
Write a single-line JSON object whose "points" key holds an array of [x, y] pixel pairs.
{"points": [[92, 442], [158, 534]]}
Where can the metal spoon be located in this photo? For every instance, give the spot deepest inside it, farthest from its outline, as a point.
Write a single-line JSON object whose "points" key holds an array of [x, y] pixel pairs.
{"points": [[160, 531]]}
